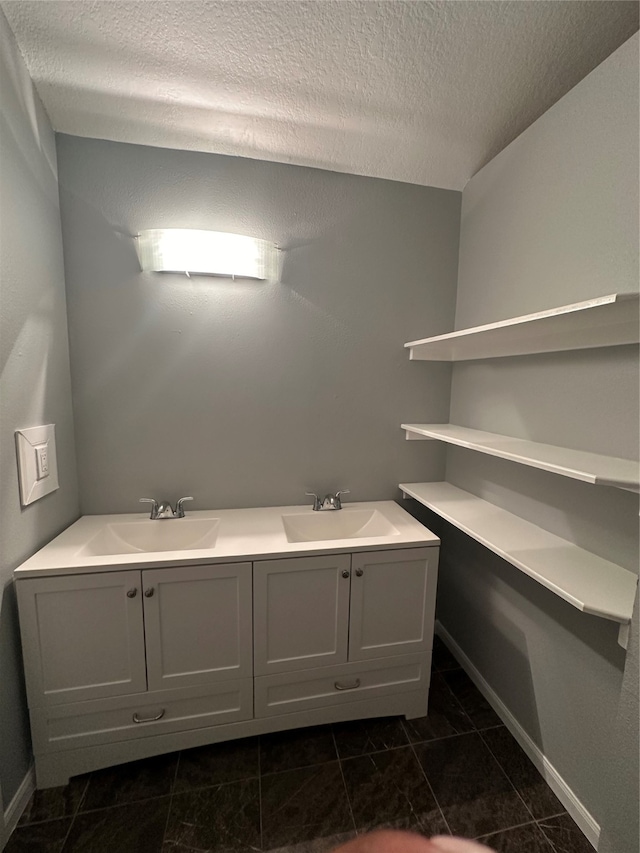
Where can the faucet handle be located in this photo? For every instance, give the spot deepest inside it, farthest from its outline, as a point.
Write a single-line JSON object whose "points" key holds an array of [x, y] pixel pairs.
{"points": [[154, 508], [180, 506], [338, 498], [317, 503]]}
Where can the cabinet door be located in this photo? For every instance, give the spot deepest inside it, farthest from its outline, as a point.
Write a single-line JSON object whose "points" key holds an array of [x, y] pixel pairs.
{"points": [[301, 612], [392, 602], [197, 624], [82, 637]]}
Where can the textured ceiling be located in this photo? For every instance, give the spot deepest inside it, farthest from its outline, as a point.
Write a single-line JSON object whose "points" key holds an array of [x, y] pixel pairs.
{"points": [[425, 92]]}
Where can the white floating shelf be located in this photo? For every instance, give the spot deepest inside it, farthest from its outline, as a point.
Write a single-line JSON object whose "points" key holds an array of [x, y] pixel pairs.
{"points": [[601, 322], [585, 580], [577, 464]]}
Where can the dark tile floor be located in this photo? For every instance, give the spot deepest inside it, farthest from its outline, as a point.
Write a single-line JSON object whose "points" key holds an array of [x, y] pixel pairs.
{"points": [[307, 791]]}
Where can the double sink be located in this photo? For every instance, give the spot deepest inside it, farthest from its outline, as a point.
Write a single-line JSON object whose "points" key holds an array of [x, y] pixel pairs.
{"points": [[116, 542], [188, 534]]}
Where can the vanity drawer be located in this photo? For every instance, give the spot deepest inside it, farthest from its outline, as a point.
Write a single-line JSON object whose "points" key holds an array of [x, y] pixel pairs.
{"points": [[287, 693], [129, 717]]}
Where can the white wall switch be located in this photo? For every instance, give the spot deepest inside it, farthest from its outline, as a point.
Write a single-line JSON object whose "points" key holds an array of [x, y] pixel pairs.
{"points": [[37, 463]]}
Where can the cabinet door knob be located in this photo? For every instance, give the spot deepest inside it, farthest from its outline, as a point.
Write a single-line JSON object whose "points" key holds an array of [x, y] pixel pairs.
{"points": [[359, 572], [353, 686], [345, 574], [148, 593], [131, 593], [137, 719]]}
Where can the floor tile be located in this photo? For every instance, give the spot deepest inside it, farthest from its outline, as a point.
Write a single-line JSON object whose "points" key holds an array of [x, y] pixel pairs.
{"points": [[564, 835], [211, 765], [52, 803], [133, 828], [317, 845], [126, 783], [473, 702], [303, 805], [522, 839], [470, 787], [445, 717], [45, 837], [360, 737], [221, 819], [297, 748], [441, 657], [538, 796], [388, 789]]}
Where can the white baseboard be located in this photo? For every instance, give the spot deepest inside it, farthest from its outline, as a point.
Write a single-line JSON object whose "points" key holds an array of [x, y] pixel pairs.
{"points": [[558, 785], [18, 804]]}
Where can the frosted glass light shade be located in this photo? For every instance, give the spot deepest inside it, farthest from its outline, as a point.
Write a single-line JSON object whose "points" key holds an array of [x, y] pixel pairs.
{"points": [[181, 250]]}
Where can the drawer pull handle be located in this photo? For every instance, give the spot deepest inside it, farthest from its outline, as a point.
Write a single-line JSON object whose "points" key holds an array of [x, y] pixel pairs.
{"points": [[353, 686], [148, 593], [345, 574], [137, 719], [131, 593], [359, 572]]}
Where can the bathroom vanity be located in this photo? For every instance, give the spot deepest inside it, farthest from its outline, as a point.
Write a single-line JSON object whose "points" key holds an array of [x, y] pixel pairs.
{"points": [[142, 637]]}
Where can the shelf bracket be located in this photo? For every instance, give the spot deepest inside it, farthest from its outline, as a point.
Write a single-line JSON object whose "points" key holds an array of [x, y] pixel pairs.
{"points": [[623, 635], [414, 436]]}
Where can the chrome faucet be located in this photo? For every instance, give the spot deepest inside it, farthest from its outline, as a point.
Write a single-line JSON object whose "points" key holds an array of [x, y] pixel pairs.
{"points": [[164, 510], [328, 501]]}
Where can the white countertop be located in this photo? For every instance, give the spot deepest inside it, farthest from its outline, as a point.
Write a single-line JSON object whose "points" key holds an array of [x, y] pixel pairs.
{"points": [[242, 534]]}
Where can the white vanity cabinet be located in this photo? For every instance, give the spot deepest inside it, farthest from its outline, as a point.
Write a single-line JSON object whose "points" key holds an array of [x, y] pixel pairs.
{"points": [[317, 620], [123, 663]]}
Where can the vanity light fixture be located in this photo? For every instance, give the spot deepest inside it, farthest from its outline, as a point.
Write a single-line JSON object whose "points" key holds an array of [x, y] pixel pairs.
{"points": [[182, 250]]}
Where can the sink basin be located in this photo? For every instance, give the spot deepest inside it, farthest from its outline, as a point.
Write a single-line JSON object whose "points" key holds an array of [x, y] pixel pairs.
{"points": [[337, 524], [130, 537]]}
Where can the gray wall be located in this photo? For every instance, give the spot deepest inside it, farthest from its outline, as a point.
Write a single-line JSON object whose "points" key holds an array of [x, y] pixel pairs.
{"points": [[249, 394], [620, 823], [553, 219], [34, 367]]}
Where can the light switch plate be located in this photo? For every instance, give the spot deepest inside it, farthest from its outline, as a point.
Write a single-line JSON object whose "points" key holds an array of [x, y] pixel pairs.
{"points": [[37, 463]]}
